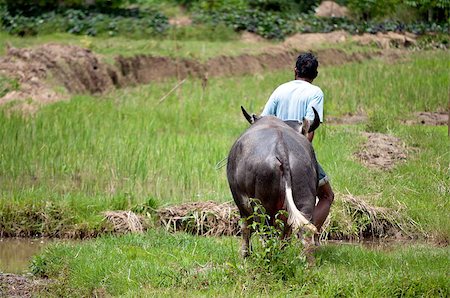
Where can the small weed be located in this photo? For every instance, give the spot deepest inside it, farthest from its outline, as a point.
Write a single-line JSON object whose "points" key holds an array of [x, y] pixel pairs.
{"points": [[379, 122], [7, 85]]}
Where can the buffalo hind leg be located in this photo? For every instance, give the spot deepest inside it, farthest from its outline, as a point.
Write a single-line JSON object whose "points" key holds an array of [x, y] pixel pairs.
{"points": [[309, 248], [246, 233]]}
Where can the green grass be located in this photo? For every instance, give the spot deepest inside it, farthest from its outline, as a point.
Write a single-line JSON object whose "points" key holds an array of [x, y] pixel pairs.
{"points": [[163, 264], [183, 43]]}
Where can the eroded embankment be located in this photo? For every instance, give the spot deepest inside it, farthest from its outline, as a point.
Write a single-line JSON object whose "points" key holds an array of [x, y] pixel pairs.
{"points": [[39, 69]]}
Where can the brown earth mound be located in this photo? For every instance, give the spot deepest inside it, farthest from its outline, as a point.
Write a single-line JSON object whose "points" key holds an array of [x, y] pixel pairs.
{"points": [[304, 41], [429, 118], [347, 119], [381, 151], [251, 37], [386, 40], [12, 285]]}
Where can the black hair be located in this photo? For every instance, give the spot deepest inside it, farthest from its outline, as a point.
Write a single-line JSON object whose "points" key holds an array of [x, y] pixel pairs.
{"points": [[307, 66]]}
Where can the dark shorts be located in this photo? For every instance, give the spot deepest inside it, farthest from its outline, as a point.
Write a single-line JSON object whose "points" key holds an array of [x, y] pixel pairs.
{"points": [[323, 178]]}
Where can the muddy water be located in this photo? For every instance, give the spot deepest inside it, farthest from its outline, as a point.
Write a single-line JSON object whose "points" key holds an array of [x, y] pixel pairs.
{"points": [[16, 254]]}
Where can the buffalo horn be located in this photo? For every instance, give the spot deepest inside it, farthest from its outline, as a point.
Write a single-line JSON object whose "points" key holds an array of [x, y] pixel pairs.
{"points": [[247, 116], [316, 121]]}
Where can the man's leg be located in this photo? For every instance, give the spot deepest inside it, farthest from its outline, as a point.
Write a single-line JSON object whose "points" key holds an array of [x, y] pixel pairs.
{"points": [[326, 197]]}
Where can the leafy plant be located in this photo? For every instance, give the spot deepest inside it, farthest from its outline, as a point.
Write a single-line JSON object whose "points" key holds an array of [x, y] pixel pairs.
{"points": [[274, 253], [89, 22], [271, 25]]}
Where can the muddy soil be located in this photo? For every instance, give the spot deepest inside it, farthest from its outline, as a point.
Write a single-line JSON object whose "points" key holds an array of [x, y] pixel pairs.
{"points": [[39, 69], [381, 151], [12, 285]]}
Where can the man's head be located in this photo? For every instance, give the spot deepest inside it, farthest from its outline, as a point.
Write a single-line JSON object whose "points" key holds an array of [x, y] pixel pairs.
{"points": [[306, 67]]}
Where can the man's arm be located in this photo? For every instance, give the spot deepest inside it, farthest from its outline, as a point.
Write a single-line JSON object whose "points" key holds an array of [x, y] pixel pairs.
{"points": [[317, 103], [271, 106]]}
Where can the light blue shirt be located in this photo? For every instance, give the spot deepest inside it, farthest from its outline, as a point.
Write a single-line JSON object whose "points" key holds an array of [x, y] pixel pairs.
{"points": [[294, 100]]}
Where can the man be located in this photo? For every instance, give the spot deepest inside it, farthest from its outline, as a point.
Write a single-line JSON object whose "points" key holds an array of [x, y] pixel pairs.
{"points": [[293, 101]]}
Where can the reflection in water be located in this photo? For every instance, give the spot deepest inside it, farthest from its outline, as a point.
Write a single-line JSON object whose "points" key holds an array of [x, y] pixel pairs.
{"points": [[16, 254]]}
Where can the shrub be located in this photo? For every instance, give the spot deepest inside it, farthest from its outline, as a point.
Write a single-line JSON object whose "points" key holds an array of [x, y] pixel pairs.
{"points": [[89, 22], [273, 255], [287, 6], [271, 25], [370, 9], [37, 7]]}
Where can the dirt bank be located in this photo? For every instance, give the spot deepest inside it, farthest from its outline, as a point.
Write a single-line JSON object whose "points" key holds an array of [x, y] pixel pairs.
{"points": [[39, 69]]}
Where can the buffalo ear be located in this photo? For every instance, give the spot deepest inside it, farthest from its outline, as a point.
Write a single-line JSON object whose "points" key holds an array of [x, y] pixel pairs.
{"points": [[251, 119], [316, 121]]}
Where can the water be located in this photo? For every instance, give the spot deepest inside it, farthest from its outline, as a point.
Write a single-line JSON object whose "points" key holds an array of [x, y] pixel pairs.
{"points": [[16, 253]]}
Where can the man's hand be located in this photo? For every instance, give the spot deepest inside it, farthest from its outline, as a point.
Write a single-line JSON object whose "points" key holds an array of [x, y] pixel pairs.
{"points": [[310, 136]]}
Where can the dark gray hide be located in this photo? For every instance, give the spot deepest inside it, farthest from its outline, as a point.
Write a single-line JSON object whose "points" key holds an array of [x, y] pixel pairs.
{"points": [[275, 164]]}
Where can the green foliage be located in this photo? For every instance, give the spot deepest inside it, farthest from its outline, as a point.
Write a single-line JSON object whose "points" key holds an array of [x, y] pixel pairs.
{"points": [[269, 18], [379, 122], [271, 25], [369, 9], [88, 22], [427, 4], [211, 5], [434, 10], [200, 32], [37, 7], [274, 254], [287, 6]]}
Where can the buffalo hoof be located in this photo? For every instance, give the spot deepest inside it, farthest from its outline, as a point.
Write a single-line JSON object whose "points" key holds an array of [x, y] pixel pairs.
{"points": [[317, 239], [245, 253]]}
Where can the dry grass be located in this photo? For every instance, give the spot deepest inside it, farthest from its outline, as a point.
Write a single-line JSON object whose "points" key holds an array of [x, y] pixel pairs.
{"points": [[124, 221], [353, 218], [201, 218]]}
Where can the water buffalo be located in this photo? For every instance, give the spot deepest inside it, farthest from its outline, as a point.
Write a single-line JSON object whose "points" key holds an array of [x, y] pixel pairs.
{"points": [[274, 162]]}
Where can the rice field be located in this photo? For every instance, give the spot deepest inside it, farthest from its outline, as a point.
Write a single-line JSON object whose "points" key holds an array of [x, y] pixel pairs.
{"points": [[128, 150]]}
